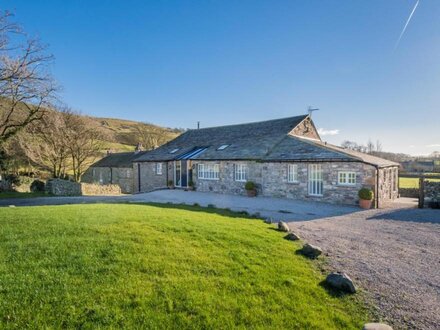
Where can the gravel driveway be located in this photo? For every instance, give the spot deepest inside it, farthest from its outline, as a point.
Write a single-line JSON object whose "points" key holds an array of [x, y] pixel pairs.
{"points": [[393, 254]]}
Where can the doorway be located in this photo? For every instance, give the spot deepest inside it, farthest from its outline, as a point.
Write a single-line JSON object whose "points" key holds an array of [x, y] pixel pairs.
{"points": [[181, 175]]}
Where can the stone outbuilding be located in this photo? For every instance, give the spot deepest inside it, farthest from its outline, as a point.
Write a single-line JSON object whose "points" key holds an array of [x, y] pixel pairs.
{"points": [[283, 157], [115, 168]]}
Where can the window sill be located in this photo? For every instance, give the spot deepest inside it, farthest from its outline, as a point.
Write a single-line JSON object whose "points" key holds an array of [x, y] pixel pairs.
{"points": [[203, 179], [293, 182], [346, 185]]}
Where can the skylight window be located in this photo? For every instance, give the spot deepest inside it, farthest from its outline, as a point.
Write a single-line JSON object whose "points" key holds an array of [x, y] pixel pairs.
{"points": [[174, 151], [223, 147]]}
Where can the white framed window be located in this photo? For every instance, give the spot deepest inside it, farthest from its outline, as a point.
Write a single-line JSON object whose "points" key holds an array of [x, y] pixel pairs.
{"points": [[208, 171], [347, 178], [292, 173], [316, 183], [240, 172], [159, 168]]}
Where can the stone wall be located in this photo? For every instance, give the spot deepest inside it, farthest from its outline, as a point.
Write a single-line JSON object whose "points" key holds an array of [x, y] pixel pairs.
{"points": [[388, 184], [99, 189], [60, 187], [271, 180], [121, 176], [409, 192], [306, 129], [431, 190], [149, 180]]}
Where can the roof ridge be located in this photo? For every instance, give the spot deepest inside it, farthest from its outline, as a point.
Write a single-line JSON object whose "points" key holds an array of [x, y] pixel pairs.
{"points": [[251, 123]]}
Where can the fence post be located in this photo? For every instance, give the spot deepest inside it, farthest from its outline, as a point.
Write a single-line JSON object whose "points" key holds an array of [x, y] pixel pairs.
{"points": [[421, 192]]}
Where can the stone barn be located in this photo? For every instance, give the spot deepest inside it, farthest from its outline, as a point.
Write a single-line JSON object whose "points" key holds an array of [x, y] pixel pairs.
{"points": [[283, 157], [115, 168]]}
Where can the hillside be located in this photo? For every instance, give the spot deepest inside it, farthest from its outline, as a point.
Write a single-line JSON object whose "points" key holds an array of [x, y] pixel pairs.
{"points": [[121, 135], [124, 135]]}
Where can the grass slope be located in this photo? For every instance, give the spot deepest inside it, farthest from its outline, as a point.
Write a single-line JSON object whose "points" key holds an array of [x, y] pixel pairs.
{"points": [[140, 266]]}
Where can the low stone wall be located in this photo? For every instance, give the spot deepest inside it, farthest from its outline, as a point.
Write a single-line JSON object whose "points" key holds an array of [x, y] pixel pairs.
{"points": [[97, 189], [60, 187], [409, 192], [431, 191]]}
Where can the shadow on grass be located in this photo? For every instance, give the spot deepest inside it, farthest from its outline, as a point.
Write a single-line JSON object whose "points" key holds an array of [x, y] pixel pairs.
{"points": [[16, 194], [198, 208], [332, 291]]}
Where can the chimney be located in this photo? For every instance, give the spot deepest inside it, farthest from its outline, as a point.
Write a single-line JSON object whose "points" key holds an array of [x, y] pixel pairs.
{"points": [[138, 148]]}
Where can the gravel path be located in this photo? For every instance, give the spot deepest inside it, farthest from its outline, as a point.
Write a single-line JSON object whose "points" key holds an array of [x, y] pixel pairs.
{"points": [[393, 254]]}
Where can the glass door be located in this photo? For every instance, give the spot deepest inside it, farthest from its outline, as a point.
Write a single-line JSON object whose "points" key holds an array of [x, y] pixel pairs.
{"points": [[177, 174], [315, 180]]}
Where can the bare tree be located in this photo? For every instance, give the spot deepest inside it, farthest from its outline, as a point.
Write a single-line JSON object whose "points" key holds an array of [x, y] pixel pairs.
{"points": [[378, 146], [84, 141], [151, 137], [46, 143], [26, 85], [370, 147]]}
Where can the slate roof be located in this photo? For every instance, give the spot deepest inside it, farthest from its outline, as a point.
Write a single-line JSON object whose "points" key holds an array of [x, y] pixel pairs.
{"points": [[120, 159], [250, 141], [355, 155], [260, 141]]}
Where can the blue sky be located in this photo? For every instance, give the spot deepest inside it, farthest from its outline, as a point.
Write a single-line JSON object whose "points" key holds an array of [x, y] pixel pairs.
{"points": [[174, 63]]}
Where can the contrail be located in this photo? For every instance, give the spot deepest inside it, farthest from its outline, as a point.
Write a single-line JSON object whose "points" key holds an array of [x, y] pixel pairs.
{"points": [[406, 25]]}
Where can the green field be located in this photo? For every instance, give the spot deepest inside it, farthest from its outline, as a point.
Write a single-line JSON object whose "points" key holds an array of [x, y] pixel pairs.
{"points": [[411, 182], [161, 267]]}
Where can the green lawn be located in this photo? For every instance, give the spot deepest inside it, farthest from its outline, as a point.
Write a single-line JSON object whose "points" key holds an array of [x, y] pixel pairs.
{"points": [[15, 194], [145, 266]]}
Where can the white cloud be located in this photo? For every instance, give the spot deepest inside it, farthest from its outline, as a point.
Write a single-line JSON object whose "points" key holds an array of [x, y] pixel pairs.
{"points": [[436, 145], [324, 132]]}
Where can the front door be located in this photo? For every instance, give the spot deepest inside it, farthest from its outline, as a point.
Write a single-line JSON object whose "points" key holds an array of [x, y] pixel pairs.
{"points": [[181, 173], [184, 169], [177, 174]]}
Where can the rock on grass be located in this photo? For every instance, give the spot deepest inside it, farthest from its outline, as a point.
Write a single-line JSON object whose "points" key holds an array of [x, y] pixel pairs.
{"points": [[341, 281]]}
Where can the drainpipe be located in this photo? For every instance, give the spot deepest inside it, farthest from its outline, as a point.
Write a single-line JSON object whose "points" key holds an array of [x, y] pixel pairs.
{"points": [[376, 203], [166, 183], [139, 177]]}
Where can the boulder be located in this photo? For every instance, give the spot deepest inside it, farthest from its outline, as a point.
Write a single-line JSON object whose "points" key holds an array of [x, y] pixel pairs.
{"points": [[268, 220], [282, 226], [341, 281], [292, 236], [376, 326], [311, 251]]}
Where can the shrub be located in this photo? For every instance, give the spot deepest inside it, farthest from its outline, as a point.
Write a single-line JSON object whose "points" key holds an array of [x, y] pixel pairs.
{"points": [[250, 185], [37, 186], [190, 183], [170, 183], [366, 194], [12, 179]]}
